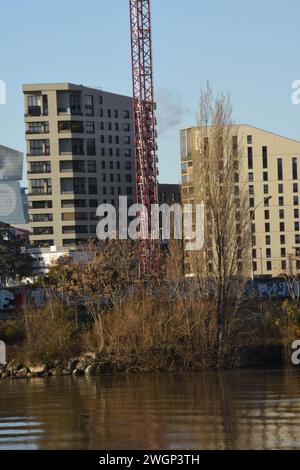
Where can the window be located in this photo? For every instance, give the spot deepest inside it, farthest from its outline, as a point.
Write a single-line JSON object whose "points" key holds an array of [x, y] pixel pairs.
{"points": [[280, 188], [112, 177], [127, 153], [295, 188], [89, 105], [41, 205], [265, 157], [283, 252], [39, 147], [281, 201], [117, 139], [282, 226], [250, 158], [268, 240], [41, 217], [296, 213], [265, 176], [251, 202], [126, 127], [126, 114], [254, 254], [297, 239], [92, 185], [297, 226], [38, 127], [281, 213], [43, 231], [109, 113], [109, 126], [268, 253], [267, 228], [249, 139], [103, 165], [267, 215], [266, 189], [91, 166], [296, 200], [280, 169], [90, 127], [116, 114], [127, 140], [90, 147], [93, 203], [40, 167], [282, 239], [118, 166], [127, 165], [269, 266], [283, 265], [295, 168], [128, 179], [128, 191]]}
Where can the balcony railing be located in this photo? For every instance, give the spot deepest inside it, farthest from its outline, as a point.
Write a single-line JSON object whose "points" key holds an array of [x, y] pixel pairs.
{"points": [[40, 193], [39, 131], [68, 111], [37, 153]]}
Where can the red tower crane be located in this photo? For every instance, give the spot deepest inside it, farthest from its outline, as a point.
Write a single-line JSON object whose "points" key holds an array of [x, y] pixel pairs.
{"points": [[145, 132]]}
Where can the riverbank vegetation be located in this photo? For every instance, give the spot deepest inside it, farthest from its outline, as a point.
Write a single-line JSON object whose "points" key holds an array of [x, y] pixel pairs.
{"points": [[169, 324]]}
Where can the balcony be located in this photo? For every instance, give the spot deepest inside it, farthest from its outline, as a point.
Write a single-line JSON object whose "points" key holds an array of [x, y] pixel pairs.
{"points": [[37, 128], [71, 147], [75, 127]]}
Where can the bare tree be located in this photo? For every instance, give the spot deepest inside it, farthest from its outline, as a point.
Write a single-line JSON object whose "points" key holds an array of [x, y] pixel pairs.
{"points": [[227, 259]]}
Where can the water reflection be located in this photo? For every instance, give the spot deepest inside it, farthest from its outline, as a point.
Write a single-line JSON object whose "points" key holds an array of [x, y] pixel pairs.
{"points": [[227, 410]]}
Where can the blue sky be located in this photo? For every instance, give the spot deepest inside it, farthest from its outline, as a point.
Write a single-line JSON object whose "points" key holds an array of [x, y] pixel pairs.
{"points": [[249, 49]]}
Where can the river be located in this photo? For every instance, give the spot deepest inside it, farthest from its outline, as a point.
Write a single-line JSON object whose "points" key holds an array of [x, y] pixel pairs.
{"points": [[247, 409]]}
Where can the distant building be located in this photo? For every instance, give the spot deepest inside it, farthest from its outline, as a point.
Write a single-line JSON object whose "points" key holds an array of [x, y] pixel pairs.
{"points": [[80, 154], [169, 194], [268, 167], [11, 164], [12, 197]]}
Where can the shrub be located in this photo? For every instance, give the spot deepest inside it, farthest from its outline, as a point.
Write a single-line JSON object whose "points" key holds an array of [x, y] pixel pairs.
{"points": [[51, 334]]}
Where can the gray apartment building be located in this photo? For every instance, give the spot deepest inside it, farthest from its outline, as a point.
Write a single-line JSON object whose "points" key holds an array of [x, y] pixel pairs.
{"points": [[80, 153]]}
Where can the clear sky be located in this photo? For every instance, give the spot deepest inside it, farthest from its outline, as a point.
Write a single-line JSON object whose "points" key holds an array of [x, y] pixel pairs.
{"points": [[250, 49]]}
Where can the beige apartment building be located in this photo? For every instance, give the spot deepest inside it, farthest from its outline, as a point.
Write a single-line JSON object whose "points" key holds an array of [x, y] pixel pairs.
{"points": [[80, 153], [269, 170]]}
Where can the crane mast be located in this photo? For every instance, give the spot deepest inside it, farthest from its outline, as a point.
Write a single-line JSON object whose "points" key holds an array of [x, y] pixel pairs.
{"points": [[144, 131]]}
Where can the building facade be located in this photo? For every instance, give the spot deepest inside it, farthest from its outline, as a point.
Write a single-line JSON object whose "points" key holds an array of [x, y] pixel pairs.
{"points": [[80, 154], [269, 170]]}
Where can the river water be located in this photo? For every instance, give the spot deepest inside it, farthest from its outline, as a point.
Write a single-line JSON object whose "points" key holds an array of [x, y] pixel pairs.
{"points": [[248, 409]]}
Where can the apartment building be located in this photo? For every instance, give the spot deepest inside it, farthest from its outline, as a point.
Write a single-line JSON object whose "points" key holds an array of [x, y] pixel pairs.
{"points": [[269, 170], [80, 153]]}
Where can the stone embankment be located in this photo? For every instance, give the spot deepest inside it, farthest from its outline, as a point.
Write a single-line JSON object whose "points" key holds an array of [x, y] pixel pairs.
{"points": [[87, 364]]}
